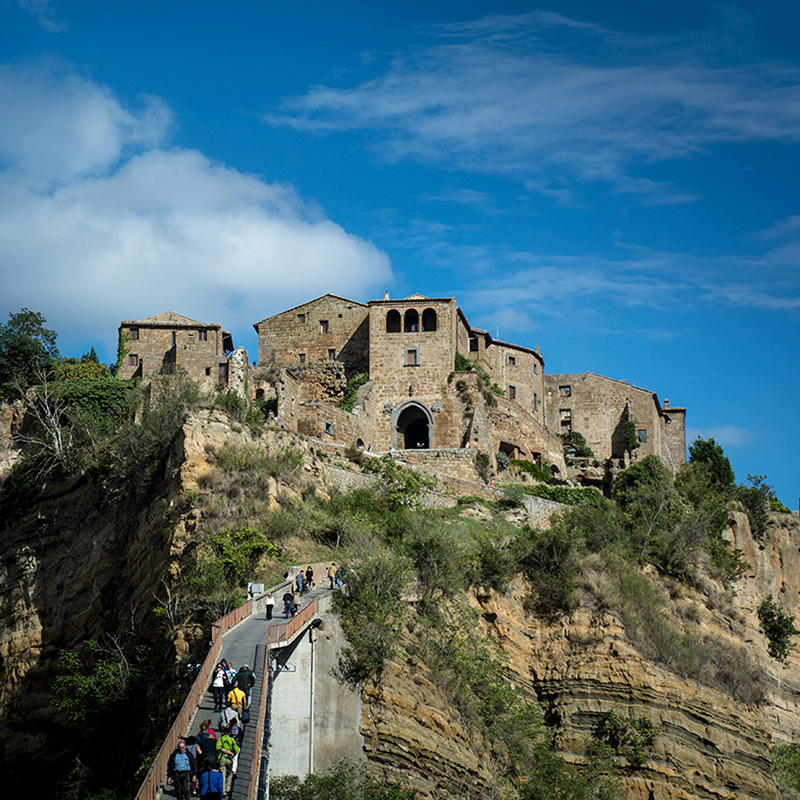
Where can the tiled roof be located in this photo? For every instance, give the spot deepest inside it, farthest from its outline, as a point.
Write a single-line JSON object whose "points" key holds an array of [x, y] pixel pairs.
{"points": [[171, 319]]}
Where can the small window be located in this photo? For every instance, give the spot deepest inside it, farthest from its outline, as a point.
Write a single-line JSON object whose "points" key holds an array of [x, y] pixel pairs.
{"points": [[512, 391], [301, 319], [565, 391], [642, 436], [412, 357], [411, 321], [174, 338], [535, 368], [535, 401], [133, 360], [393, 321], [134, 334], [331, 354], [511, 361], [223, 371], [329, 428], [208, 370], [323, 326], [473, 343], [302, 358], [202, 336]]}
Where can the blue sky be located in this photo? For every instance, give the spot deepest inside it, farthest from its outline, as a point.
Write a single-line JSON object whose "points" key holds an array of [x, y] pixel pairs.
{"points": [[617, 185]]}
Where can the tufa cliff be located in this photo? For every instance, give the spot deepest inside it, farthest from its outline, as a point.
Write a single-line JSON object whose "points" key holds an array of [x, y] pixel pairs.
{"points": [[94, 556]]}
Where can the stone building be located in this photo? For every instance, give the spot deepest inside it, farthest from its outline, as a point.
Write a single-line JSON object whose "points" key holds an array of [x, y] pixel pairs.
{"points": [[599, 408], [417, 397], [169, 342]]}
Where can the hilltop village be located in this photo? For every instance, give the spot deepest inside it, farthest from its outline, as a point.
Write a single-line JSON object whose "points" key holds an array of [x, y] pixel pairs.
{"points": [[418, 378]]}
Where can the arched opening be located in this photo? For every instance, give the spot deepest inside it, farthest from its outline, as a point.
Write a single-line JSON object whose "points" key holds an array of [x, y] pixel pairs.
{"points": [[259, 394], [413, 430], [411, 321], [360, 444], [428, 320], [393, 321]]}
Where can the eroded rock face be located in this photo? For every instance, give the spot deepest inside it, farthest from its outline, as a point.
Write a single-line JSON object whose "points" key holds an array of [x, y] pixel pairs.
{"points": [[710, 747]]}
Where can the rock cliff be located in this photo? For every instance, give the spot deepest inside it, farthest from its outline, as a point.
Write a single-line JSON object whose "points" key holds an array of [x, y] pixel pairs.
{"points": [[93, 555]]}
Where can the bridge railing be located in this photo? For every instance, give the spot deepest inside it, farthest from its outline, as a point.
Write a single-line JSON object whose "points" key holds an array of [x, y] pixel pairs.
{"points": [[281, 635]]}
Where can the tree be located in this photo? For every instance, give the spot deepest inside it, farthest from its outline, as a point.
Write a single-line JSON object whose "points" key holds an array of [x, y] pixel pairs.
{"points": [[713, 461], [27, 350]]}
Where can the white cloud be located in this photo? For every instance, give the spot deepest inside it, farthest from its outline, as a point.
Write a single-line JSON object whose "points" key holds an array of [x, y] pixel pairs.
{"points": [[44, 13], [549, 100], [100, 226]]}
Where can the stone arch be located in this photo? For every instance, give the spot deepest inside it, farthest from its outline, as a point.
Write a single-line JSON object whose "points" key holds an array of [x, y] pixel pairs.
{"points": [[411, 322], [393, 321], [412, 426], [429, 320]]}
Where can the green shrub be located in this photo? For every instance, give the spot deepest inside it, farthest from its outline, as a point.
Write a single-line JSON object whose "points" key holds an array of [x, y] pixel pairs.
{"points": [[630, 737], [545, 474], [348, 401], [786, 766], [401, 486], [630, 435], [574, 444], [343, 781], [503, 461], [549, 561], [482, 464], [778, 627]]}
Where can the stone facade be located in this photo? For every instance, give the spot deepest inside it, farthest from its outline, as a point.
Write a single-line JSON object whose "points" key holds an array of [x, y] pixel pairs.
{"points": [[330, 328], [598, 408], [169, 342]]}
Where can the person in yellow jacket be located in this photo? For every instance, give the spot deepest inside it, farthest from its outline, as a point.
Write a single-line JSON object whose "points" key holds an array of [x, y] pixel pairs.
{"points": [[238, 700], [226, 752]]}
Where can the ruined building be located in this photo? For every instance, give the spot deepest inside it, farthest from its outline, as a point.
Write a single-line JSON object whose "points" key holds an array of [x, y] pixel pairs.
{"points": [[169, 342]]}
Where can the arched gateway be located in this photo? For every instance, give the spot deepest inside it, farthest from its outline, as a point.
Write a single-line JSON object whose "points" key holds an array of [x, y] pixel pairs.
{"points": [[412, 425]]}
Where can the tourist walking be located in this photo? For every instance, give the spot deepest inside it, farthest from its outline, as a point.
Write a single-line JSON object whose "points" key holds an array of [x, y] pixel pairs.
{"points": [[218, 686], [331, 574], [226, 751], [300, 580], [211, 785], [287, 602], [309, 577], [295, 603], [207, 745], [270, 601], [245, 679], [180, 768]]}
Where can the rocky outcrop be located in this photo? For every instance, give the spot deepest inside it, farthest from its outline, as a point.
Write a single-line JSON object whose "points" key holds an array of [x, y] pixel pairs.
{"points": [[710, 747]]}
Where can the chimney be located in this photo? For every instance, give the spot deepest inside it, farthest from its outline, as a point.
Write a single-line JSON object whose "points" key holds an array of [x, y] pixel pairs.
{"points": [[666, 403]]}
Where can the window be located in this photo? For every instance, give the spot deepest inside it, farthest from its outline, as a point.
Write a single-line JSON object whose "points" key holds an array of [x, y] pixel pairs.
{"points": [[473, 343], [428, 320], [535, 401], [302, 358], [566, 419], [223, 372], [641, 435], [133, 360], [331, 354], [174, 338], [412, 357], [323, 326], [511, 361], [134, 334], [329, 428], [512, 391], [565, 391], [301, 319], [202, 336], [411, 324], [393, 321], [535, 368], [208, 370]]}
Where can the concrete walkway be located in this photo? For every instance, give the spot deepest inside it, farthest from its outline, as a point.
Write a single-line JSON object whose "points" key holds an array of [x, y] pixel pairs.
{"points": [[245, 644]]}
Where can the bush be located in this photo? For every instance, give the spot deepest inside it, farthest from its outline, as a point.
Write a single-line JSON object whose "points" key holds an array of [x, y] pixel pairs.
{"points": [[482, 464], [778, 627], [545, 474], [348, 401], [503, 461], [574, 444], [343, 781], [630, 737], [786, 766]]}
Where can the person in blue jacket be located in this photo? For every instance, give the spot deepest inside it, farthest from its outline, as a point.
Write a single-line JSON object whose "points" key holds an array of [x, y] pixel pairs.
{"points": [[211, 784]]}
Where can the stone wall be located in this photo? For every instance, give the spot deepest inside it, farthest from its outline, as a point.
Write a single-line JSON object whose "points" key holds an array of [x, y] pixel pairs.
{"points": [[519, 372], [326, 329]]}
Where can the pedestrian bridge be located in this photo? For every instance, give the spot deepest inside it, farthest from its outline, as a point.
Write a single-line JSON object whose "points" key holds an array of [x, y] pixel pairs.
{"points": [[244, 636]]}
